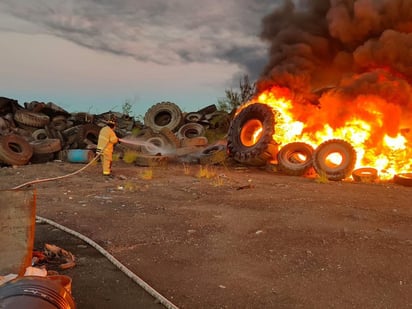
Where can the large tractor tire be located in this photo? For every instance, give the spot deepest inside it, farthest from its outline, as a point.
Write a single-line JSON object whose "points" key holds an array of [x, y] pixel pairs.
{"points": [[250, 134], [15, 150], [295, 159], [25, 117], [163, 114], [324, 163]]}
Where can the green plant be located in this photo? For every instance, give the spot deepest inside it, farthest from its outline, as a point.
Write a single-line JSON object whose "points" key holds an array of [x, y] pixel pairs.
{"points": [[233, 99], [206, 172], [127, 107]]}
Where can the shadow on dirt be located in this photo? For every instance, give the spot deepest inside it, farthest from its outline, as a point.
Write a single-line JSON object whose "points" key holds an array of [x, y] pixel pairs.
{"points": [[96, 282]]}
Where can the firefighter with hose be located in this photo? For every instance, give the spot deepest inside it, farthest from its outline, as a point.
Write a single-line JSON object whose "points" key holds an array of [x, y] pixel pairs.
{"points": [[106, 141]]}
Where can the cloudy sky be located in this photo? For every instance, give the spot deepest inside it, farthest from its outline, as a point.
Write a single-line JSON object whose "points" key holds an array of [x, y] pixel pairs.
{"points": [[95, 55]]}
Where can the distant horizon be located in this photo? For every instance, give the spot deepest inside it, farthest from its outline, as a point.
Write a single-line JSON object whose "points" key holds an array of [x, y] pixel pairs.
{"points": [[95, 106]]}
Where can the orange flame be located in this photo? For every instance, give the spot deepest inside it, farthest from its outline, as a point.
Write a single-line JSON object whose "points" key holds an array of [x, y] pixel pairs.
{"points": [[369, 123]]}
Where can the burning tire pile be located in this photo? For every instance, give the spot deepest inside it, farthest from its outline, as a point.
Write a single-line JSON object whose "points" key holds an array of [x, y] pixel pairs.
{"points": [[251, 142]]}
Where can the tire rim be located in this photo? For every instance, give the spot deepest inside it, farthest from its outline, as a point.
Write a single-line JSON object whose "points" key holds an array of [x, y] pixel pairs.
{"points": [[251, 132]]}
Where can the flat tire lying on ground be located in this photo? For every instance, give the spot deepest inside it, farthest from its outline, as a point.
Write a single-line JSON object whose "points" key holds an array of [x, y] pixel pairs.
{"points": [[404, 179], [250, 134], [15, 150], [25, 117], [365, 174], [151, 161], [214, 154], [324, 164], [295, 159], [163, 114]]}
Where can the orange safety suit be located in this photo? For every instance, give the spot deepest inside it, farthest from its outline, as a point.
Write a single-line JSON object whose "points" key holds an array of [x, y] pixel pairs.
{"points": [[105, 143]]}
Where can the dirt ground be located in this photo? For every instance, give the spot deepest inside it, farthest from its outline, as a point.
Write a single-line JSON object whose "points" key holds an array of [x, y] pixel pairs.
{"points": [[239, 237]]}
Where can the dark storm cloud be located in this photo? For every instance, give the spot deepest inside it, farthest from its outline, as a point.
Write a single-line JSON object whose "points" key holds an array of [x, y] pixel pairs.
{"points": [[165, 32]]}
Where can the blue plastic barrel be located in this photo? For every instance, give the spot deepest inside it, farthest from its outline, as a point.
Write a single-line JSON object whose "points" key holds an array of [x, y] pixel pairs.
{"points": [[80, 155]]}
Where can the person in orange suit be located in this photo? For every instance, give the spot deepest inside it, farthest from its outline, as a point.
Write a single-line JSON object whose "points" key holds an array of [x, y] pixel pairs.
{"points": [[105, 144]]}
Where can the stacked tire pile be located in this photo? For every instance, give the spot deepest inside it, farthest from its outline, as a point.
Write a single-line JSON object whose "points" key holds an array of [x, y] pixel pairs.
{"points": [[170, 134], [41, 132]]}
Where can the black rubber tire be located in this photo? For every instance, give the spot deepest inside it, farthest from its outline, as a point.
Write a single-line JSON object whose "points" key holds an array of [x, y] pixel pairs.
{"points": [[193, 117], [365, 174], [170, 137], [15, 150], [40, 134], [335, 172], [404, 179], [289, 161], [207, 110], [190, 130], [265, 149], [214, 154], [89, 132], [25, 117], [49, 145], [163, 114], [58, 123]]}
